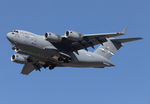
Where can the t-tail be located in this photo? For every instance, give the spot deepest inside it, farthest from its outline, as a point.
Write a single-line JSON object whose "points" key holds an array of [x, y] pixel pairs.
{"points": [[110, 47]]}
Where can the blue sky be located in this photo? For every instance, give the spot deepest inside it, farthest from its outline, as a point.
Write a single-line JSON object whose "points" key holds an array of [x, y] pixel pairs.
{"points": [[126, 83]]}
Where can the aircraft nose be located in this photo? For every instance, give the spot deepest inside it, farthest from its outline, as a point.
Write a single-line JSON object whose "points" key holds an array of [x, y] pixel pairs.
{"points": [[9, 36]]}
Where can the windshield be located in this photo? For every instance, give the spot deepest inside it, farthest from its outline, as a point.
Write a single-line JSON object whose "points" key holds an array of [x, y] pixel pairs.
{"points": [[16, 31]]}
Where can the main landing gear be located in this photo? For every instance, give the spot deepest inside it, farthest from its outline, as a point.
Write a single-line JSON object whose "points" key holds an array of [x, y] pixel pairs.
{"points": [[51, 66], [65, 60]]}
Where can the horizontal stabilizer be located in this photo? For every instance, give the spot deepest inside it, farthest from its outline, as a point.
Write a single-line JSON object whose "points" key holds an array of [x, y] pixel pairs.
{"points": [[123, 40], [28, 68], [110, 47]]}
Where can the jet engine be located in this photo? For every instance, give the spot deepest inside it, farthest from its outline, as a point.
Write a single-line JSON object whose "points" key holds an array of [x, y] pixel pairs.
{"points": [[18, 59], [52, 37], [74, 36]]}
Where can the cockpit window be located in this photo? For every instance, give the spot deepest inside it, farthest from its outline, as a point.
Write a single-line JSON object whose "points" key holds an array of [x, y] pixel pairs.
{"points": [[16, 31]]}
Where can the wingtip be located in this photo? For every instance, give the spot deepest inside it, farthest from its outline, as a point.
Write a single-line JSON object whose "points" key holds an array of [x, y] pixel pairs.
{"points": [[139, 38], [125, 30]]}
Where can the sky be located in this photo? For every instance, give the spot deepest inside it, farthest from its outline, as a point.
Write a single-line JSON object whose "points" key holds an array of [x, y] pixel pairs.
{"points": [[126, 83]]}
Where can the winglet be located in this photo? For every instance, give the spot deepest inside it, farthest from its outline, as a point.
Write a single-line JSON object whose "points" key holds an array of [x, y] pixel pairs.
{"points": [[124, 30]]}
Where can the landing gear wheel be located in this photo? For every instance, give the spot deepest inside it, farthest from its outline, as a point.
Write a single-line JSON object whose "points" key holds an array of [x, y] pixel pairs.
{"points": [[45, 65], [37, 67], [51, 67], [64, 59]]}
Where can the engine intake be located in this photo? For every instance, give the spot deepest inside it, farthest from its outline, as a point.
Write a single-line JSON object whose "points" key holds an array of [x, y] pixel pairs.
{"points": [[18, 59], [52, 37], [74, 36]]}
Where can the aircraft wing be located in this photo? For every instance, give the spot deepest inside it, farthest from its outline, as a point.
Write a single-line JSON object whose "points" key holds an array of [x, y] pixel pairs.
{"points": [[27, 68], [88, 40], [104, 35]]}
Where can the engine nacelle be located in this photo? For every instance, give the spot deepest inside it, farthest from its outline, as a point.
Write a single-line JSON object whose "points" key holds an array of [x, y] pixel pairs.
{"points": [[52, 37], [72, 35], [18, 59]]}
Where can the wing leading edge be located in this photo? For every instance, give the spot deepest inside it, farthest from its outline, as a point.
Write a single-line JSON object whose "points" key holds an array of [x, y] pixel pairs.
{"points": [[105, 35]]}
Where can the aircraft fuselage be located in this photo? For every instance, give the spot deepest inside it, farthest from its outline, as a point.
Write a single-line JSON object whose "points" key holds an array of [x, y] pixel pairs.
{"points": [[36, 46]]}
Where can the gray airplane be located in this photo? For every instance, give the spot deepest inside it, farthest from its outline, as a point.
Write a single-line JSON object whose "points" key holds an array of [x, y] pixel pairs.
{"points": [[53, 50]]}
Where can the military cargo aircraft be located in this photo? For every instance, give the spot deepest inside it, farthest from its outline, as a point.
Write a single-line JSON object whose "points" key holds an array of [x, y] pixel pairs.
{"points": [[69, 50]]}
